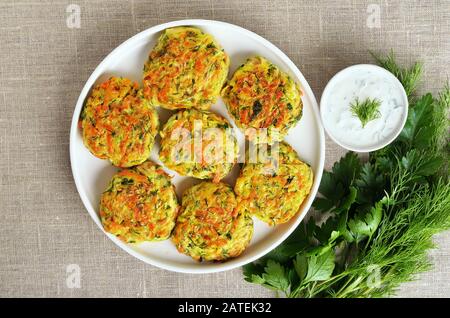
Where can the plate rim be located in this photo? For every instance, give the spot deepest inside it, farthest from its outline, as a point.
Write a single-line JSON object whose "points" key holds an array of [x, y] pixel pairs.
{"points": [[219, 267]]}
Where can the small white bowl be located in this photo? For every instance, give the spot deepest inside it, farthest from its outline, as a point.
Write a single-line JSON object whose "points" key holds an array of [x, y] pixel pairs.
{"points": [[351, 73]]}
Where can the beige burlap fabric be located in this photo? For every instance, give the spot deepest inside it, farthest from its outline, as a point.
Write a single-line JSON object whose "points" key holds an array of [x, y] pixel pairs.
{"points": [[45, 61]]}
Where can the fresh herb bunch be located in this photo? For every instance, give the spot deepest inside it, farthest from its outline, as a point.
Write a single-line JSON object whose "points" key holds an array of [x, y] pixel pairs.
{"points": [[366, 110], [409, 77], [375, 219]]}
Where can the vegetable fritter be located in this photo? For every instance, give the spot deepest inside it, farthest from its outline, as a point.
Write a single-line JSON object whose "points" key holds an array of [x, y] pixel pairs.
{"points": [[210, 226], [118, 123], [140, 204], [261, 96], [273, 191], [198, 144], [187, 68]]}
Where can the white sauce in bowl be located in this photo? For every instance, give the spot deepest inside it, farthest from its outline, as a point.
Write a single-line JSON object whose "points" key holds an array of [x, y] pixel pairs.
{"points": [[363, 81]]}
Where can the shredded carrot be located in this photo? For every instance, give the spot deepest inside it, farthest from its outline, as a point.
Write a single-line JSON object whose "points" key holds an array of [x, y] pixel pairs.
{"points": [[109, 142], [199, 65], [130, 174]]}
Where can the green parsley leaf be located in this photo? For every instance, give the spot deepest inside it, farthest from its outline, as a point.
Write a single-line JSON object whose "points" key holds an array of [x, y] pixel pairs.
{"points": [[364, 225], [370, 184], [253, 273], [324, 233], [334, 183], [322, 204], [301, 266], [319, 267], [275, 276], [299, 241]]}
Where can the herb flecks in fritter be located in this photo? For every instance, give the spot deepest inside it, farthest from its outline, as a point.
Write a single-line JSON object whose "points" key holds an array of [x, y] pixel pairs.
{"points": [[187, 68], [274, 194], [118, 124], [261, 96], [211, 227], [140, 204], [198, 144]]}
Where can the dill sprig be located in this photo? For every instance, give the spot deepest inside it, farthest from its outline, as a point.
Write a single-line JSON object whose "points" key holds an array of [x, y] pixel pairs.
{"points": [[366, 110], [409, 77], [402, 243]]}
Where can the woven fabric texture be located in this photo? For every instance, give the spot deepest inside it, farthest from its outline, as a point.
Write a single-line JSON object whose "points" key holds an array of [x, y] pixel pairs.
{"points": [[46, 59]]}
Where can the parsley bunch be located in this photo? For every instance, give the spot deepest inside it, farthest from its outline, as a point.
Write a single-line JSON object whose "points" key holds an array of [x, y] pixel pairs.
{"points": [[375, 219]]}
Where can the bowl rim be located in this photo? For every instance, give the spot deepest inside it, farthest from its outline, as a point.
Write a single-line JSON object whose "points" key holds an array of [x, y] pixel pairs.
{"points": [[336, 77], [236, 262]]}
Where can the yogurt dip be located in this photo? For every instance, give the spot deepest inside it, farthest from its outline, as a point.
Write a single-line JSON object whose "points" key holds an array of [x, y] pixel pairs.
{"points": [[363, 81]]}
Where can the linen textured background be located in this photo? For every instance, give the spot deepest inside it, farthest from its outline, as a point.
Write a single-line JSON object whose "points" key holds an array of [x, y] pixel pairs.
{"points": [[43, 67]]}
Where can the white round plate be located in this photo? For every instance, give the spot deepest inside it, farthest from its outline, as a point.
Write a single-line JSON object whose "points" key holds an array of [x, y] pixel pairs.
{"points": [[92, 175]]}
